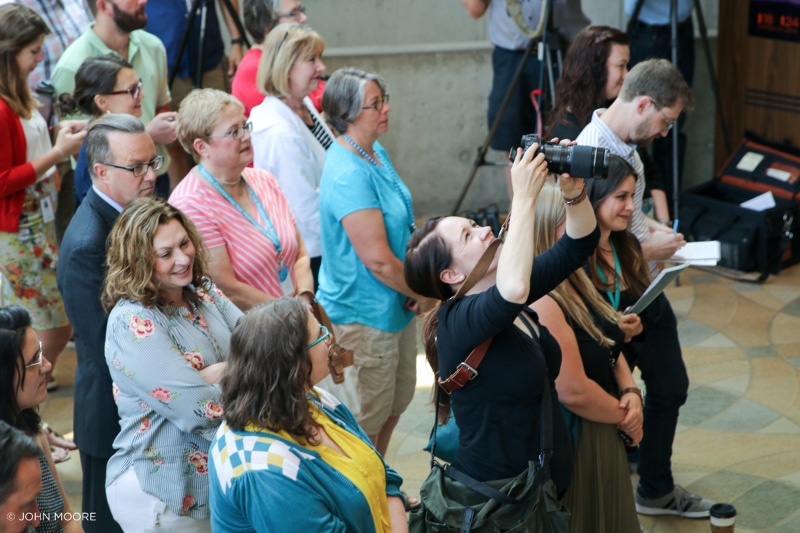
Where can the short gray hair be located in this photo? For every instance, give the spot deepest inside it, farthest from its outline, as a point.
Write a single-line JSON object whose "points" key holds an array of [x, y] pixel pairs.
{"points": [[344, 95], [97, 147], [660, 80]]}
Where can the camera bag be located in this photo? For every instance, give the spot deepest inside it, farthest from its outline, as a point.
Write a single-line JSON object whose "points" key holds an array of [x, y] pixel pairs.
{"points": [[760, 166], [763, 241]]}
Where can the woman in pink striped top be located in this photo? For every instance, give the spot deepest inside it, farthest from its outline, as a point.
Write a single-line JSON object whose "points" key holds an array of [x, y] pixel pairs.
{"points": [[255, 250]]}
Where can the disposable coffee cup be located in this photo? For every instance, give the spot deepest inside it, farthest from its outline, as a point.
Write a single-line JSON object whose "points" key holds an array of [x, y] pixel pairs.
{"points": [[723, 518]]}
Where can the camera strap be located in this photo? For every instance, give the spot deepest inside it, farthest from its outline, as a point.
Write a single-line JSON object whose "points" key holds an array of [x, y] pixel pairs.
{"points": [[514, 8]]}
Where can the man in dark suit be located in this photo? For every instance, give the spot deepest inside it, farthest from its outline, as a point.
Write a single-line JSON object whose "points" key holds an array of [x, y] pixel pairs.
{"points": [[122, 162]]}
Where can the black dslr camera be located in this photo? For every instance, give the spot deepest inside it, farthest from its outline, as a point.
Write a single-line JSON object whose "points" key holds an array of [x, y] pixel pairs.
{"points": [[577, 161]]}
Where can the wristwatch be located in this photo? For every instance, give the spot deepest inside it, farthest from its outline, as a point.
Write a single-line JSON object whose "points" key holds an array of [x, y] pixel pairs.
{"points": [[635, 390]]}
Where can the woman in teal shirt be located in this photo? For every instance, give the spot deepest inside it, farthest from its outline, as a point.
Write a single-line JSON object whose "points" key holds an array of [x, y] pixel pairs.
{"points": [[366, 218]]}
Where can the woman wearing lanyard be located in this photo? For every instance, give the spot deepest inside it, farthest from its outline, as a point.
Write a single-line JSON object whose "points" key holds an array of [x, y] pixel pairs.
{"points": [[255, 250], [366, 218]]}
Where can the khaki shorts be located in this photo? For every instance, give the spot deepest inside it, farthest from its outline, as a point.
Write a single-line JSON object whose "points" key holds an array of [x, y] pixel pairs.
{"points": [[385, 366]]}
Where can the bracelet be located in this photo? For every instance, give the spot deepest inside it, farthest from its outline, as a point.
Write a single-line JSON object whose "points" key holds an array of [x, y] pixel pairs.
{"points": [[665, 222], [634, 390], [578, 199], [237, 40], [60, 151]]}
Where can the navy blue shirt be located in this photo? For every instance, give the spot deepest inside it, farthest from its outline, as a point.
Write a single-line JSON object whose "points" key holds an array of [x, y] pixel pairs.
{"points": [[168, 19]]}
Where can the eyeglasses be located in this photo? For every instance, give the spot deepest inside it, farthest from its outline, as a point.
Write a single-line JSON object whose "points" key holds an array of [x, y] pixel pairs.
{"points": [[294, 13], [38, 356], [142, 168], [235, 133], [667, 122], [135, 92], [378, 105], [324, 335]]}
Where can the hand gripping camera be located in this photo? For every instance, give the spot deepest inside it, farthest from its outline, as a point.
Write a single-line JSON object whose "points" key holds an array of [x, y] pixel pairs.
{"points": [[577, 161]]}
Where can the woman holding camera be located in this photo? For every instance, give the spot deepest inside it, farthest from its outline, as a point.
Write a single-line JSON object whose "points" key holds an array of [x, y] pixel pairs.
{"points": [[595, 386], [498, 411]]}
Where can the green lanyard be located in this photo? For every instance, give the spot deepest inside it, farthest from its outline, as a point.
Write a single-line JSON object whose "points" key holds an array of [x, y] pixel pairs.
{"points": [[613, 297]]}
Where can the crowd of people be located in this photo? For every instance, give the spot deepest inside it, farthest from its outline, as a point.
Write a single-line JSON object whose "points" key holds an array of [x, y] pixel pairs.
{"points": [[203, 398]]}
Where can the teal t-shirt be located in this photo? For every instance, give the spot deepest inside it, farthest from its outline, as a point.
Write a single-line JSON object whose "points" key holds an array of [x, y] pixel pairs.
{"points": [[349, 292]]}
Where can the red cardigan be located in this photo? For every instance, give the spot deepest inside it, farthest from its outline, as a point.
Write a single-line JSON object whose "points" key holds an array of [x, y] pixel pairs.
{"points": [[16, 174]]}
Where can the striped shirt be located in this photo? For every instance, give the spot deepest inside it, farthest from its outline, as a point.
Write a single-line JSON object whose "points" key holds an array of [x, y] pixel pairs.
{"points": [[253, 255], [598, 133], [319, 133], [67, 19]]}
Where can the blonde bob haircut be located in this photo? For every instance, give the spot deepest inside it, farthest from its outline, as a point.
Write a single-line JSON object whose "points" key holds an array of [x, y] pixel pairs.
{"points": [[284, 45], [199, 112], [551, 213], [131, 258]]}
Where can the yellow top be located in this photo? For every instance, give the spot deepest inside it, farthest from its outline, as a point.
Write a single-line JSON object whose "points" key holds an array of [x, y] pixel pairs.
{"points": [[361, 465]]}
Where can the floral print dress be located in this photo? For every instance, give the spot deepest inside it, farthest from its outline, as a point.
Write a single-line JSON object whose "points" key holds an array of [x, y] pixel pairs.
{"points": [[168, 413], [29, 258]]}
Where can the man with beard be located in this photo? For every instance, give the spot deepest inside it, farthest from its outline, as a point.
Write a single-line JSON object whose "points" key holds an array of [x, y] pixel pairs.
{"points": [[118, 30], [652, 97], [123, 165]]}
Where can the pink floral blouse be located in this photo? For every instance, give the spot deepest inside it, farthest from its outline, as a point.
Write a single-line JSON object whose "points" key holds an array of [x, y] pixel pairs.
{"points": [[168, 413]]}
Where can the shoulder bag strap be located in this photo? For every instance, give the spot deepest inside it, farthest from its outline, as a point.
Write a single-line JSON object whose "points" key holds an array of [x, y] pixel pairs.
{"points": [[461, 477]]}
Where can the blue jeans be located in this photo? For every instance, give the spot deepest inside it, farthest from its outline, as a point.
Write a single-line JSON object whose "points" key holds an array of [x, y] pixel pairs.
{"points": [[654, 42], [667, 383], [520, 116]]}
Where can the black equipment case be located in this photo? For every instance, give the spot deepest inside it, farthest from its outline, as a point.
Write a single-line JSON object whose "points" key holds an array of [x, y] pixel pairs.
{"points": [[763, 241]]}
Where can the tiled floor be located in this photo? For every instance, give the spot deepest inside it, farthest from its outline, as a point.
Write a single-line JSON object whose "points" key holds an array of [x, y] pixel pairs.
{"points": [[739, 433]]}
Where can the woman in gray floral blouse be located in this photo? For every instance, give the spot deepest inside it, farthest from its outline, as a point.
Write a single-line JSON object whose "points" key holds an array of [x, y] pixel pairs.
{"points": [[167, 340]]}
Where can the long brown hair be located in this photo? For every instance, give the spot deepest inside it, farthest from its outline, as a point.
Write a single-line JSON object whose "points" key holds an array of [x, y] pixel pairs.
{"points": [[633, 265], [131, 259], [550, 213], [581, 87], [269, 370], [19, 27], [427, 255]]}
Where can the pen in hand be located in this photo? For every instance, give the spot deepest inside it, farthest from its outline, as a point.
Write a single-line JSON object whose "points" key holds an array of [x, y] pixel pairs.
{"points": [[675, 226]]}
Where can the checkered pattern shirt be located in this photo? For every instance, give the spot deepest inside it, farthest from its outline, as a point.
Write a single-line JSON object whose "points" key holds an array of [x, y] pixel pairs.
{"points": [[67, 19]]}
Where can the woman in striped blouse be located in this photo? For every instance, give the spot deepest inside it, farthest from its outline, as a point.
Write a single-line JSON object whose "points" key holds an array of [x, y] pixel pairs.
{"points": [[256, 252]]}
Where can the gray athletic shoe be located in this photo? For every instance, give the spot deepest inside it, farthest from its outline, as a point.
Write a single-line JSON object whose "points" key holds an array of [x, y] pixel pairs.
{"points": [[679, 502]]}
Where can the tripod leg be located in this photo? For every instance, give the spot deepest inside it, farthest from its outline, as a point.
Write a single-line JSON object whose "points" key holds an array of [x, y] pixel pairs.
{"points": [[480, 159], [184, 39], [712, 75]]}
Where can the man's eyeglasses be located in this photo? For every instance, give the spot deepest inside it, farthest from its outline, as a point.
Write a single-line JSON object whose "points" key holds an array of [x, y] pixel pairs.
{"points": [[135, 91], [235, 133], [294, 13], [142, 168], [667, 122], [324, 335], [38, 356], [378, 105]]}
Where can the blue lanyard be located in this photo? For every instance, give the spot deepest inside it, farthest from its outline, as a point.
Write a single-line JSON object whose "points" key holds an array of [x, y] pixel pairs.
{"points": [[268, 229], [395, 181], [615, 296]]}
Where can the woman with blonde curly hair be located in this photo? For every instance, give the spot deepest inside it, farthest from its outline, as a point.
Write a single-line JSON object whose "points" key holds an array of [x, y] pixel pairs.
{"points": [[166, 344]]}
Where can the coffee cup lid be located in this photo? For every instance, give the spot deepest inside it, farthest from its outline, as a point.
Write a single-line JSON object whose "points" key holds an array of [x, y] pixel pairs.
{"points": [[722, 510]]}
